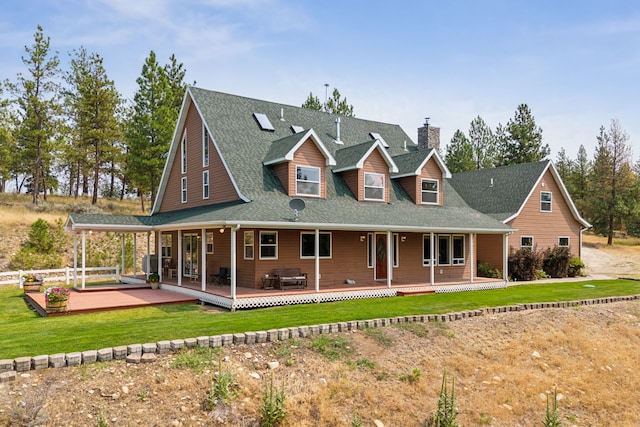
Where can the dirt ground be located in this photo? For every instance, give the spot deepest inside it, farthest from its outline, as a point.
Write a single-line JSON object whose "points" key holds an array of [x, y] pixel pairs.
{"points": [[504, 367]]}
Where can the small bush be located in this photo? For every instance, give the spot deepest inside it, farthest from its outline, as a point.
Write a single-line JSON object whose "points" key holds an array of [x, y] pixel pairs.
{"points": [[222, 389], [576, 267], [485, 269], [556, 261], [524, 264], [273, 410]]}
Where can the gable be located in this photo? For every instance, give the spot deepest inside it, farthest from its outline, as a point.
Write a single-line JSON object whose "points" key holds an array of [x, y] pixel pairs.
{"points": [[306, 154]]}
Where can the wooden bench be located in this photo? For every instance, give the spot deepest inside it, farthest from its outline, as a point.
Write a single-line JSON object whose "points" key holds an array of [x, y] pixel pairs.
{"points": [[289, 277]]}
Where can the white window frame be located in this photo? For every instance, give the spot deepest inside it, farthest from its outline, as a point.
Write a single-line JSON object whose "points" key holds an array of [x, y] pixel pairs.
{"points": [[458, 260], [309, 181], [396, 250], [546, 202], [426, 261], [526, 246], [275, 244], [384, 186], [183, 189], [183, 153], [370, 251], [205, 184], [205, 146], [423, 191], [167, 247], [312, 233], [249, 244], [568, 241]]}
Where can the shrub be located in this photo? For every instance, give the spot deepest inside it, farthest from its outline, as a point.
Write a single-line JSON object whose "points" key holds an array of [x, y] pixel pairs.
{"points": [[44, 248], [273, 410], [576, 267], [446, 414], [485, 269], [524, 264], [556, 261]]}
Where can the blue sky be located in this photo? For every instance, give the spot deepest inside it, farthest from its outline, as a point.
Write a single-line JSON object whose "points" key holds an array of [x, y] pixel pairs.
{"points": [[575, 63]]}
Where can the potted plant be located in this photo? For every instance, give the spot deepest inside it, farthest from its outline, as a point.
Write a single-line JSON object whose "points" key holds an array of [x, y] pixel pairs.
{"points": [[31, 283], [154, 280], [56, 298]]}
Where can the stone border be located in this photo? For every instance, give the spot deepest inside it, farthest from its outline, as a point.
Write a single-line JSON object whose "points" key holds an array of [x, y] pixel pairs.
{"points": [[145, 353]]}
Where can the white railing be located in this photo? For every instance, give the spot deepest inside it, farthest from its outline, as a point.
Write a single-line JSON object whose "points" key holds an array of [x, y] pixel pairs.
{"points": [[60, 274]]}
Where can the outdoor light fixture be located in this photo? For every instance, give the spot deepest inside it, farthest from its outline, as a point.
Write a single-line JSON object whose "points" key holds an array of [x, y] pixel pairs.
{"points": [[403, 239], [221, 230], [362, 237]]}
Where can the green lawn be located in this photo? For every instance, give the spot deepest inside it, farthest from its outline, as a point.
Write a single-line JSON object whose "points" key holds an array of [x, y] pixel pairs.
{"points": [[26, 334]]}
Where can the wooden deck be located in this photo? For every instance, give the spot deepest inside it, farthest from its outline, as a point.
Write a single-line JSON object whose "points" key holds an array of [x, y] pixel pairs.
{"points": [[105, 298]]}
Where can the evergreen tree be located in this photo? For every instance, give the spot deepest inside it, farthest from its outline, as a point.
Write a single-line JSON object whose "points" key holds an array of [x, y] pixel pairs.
{"points": [[312, 103], [564, 167], [483, 144], [38, 109], [6, 148], [523, 142], [578, 181], [335, 104], [459, 157]]}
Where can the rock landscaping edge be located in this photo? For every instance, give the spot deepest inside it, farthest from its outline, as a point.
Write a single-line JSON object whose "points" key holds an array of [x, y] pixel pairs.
{"points": [[146, 353]]}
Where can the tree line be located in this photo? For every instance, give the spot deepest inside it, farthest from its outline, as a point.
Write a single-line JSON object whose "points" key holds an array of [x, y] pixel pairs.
{"points": [[605, 189], [70, 131]]}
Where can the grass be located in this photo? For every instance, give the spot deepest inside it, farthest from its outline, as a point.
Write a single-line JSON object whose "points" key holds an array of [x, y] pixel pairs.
{"points": [[26, 334]]}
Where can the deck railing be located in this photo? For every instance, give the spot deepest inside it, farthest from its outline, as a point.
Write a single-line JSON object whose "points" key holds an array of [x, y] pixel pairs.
{"points": [[60, 274]]}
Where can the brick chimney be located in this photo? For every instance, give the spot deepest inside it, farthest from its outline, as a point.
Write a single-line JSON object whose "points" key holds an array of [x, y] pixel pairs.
{"points": [[428, 136]]}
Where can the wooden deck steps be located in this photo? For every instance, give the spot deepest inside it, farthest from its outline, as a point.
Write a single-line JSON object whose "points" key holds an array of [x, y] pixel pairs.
{"points": [[408, 293]]}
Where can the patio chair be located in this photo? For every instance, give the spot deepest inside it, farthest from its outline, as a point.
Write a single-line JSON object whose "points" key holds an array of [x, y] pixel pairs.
{"points": [[222, 278]]}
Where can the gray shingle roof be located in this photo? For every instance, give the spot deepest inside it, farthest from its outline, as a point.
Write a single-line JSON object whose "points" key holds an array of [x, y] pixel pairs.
{"points": [[348, 157], [408, 162]]}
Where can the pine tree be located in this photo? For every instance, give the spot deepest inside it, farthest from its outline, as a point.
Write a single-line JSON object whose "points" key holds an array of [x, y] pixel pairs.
{"points": [[483, 144], [335, 104], [523, 141], [459, 157]]}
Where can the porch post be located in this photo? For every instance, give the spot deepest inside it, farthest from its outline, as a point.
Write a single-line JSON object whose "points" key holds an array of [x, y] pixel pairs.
{"points": [[389, 258], [471, 256], [203, 260], [432, 261], [123, 260], [179, 257], [135, 253], [505, 258], [159, 252], [75, 258], [84, 257], [234, 263], [317, 261], [148, 253]]}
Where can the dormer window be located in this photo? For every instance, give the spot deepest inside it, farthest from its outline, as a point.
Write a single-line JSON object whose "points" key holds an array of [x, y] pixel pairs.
{"points": [[430, 191], [307, 181], [374, 186]]}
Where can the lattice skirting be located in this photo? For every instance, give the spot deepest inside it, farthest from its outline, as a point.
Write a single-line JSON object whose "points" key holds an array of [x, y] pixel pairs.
{"points": [[469, 287]]}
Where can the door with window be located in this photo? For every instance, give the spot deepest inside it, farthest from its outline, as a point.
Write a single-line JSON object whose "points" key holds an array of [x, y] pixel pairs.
{"points": [[190, 255], [381, 257]]}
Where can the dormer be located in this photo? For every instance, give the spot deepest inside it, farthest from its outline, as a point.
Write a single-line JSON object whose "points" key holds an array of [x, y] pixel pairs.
{"points": [[300, 161], [420, 174], [366, 168]]}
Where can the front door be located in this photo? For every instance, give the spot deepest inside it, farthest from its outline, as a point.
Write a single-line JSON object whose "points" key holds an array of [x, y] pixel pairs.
{"points": [[190, 255], [381, 256]]}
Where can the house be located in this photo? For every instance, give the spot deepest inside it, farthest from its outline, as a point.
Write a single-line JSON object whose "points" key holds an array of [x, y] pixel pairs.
{"points": [[253, 187]]}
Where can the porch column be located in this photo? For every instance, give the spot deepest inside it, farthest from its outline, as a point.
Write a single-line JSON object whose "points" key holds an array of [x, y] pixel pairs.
{"points": [[179, 257], [203, 260], [159, 252], [84, 257], [123, 259], [389, 258], [135, 253], [148, 253], [471, 256], [75, 259], [505, 258], [432, 261], [317, 261], [234, 264]]}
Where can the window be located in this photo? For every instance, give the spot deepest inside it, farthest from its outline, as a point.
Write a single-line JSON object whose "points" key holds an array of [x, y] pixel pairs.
{"points": [[563, 242], [205, 147], [374, 186], [184, 189], [458, 250], [430, 191], [444, 245], [396, 249], [307, 245], [545, 201], [248, 245], [307, 181], [268, 245], [209, 242], [370, 250], [166, 246], [205, 184], [426, 250], [526, 242], [183, 150]]}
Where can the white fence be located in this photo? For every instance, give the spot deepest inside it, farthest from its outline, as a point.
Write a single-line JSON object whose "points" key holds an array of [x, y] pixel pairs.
{"points": [[60, 274]]}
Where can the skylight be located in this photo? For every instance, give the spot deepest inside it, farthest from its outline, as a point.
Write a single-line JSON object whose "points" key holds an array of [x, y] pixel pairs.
{"points": [[263, 121], [296, 129], [377, 136]]}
